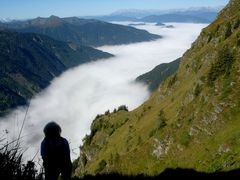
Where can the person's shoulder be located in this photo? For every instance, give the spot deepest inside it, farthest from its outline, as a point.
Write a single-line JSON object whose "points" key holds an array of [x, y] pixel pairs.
{"points": [[64, 140], [44, 141]]}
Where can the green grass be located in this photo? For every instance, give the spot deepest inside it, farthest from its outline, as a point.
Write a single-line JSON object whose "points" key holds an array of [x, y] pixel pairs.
{"points": [[201, 122]]}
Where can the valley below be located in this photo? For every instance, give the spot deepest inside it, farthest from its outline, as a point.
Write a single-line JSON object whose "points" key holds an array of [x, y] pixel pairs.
{"points": [[77, 96]]}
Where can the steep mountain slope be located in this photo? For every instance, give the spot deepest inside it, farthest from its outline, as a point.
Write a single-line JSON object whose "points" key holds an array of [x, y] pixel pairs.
{"points": [[191, 121], [82, 31], [161, 72], [29, 62]]}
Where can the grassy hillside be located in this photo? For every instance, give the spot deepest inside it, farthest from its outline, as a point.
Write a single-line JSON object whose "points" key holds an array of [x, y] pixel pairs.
{"points": [[29, 62], [82, 31], [191, 121]]}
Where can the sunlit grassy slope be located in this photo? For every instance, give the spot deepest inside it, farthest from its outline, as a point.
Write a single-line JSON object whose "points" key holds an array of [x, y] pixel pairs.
{"points": [[191, 121]]}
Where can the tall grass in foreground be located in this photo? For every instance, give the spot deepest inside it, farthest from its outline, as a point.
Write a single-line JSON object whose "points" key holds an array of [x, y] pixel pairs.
{"points": [[11, 161]]}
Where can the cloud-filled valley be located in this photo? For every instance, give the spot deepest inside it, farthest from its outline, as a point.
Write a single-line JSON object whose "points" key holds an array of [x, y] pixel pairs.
{"points": [[78, 95]]}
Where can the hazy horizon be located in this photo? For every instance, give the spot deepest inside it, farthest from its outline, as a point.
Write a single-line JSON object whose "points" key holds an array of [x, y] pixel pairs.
{"points": [[28, 9]]}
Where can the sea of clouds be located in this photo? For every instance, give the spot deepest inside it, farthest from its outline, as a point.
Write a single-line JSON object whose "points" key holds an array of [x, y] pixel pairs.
{"points": [[75, 98]]}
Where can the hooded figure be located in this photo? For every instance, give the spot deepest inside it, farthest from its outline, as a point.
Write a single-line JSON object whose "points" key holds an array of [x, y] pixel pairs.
{"points": [[55, 153]]}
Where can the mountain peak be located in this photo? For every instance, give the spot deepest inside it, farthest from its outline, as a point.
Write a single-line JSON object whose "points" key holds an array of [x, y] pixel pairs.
{"points": [[54, 17], [52, 21], [231, 9]]}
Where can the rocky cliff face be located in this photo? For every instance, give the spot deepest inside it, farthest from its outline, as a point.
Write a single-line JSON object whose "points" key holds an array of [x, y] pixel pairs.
{"points": [[191, 121]]}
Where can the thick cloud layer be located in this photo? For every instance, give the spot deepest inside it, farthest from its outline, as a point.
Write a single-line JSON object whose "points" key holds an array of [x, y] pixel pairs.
{"points": [[77, 96]]}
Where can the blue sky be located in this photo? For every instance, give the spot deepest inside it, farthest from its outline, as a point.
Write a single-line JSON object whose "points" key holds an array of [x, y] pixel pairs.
{"points": [[19, 9]]}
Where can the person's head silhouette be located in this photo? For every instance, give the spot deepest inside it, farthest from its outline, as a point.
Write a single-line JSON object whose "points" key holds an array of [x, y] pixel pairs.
{"points": [[52, 130]]}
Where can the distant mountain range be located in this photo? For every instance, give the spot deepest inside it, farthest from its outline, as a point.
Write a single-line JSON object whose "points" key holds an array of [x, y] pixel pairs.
{"points": [[194, 15], [188, 16], [81, 31], [139, 13], [112, 18], [33, 52], [30, 61]]}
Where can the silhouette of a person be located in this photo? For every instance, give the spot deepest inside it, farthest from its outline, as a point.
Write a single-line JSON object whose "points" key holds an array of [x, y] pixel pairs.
{"points": [[55, 153]]}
